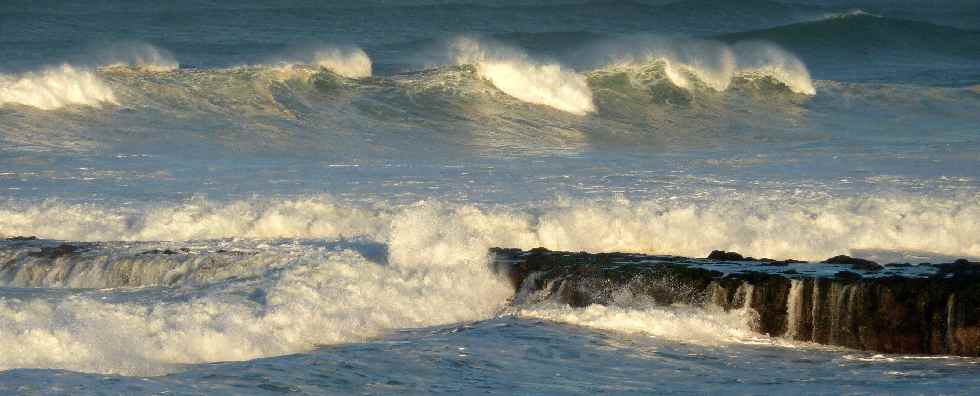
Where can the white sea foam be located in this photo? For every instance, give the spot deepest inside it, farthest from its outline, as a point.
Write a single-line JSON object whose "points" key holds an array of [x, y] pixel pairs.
{"points": [[321, 298], [513, 73], [55, 88], [702, 326], [761, 226], [435, 273]]}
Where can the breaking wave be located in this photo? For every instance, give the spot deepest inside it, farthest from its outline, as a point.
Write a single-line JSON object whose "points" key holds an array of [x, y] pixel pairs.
{"points": [[538, 83], [322, 297], [349, 62], [139, 56], [760, 226], [55, 88], [381, 267], [140, 75], [691, 64]]}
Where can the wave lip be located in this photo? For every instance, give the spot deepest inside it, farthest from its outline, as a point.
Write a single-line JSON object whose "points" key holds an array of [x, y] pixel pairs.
{"points": [[350, 63], [513, 73], [691, 63], [55, 88]]}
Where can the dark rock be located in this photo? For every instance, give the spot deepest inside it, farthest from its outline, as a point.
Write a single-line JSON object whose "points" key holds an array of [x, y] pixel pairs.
{"points": [[919, 314], [58, 251], [158, 251], [22, 238], [848, 275], [722, 255], [233, 252], [898, 265], [961, 267], [855, 263]]}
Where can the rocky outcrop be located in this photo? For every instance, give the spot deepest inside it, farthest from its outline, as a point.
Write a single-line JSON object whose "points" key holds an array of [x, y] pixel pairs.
{"points": [[918, 309], [856, 263]]}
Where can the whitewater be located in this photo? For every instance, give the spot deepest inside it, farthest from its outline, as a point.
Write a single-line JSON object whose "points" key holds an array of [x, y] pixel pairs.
{"points": [[246, 199]]}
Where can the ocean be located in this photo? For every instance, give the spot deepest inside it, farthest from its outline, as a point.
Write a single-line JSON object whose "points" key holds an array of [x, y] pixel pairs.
{"points": [[299, 197]]}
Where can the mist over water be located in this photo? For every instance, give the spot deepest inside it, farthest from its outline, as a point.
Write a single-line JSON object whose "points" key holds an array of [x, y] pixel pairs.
{"points": [[301, 197]]}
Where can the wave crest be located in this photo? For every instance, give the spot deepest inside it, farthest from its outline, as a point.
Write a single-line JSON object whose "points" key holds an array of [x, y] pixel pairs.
{"points": [[690, 64], [350, 63], [140, 56], [55, 88], [538, 83]]}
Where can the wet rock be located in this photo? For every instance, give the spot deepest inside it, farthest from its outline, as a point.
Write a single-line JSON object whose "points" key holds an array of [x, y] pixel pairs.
{"points": [[915, 313], [22, 238], [234, 252], [158, 251], [61, 250], [848, 275], [961, 267], [855, 263], [722, 255]]}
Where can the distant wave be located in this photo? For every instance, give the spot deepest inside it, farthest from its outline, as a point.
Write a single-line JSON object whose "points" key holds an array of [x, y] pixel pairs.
{"points": [[854, 31], [130, 72]]}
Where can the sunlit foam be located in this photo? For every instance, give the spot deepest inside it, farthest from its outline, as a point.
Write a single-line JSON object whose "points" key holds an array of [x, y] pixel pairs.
{"points": [[513, 73], [54, 88]]}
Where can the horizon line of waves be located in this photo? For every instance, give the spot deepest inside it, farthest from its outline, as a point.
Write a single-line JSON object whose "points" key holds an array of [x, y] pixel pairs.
{"points": [[513, 73], [856, 12]]}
